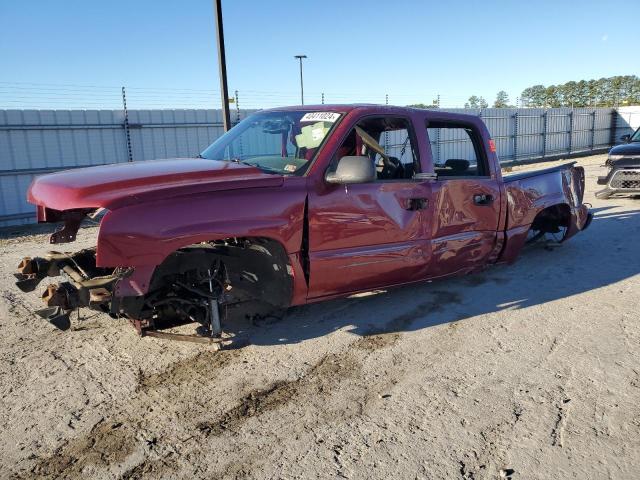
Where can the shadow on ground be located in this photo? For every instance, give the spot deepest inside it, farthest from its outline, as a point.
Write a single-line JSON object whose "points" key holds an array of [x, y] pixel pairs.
{"points": [[604, 254]]}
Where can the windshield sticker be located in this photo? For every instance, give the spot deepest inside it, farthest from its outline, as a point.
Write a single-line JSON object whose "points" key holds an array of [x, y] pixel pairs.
{"points": [[290, 168], [320, 117], [317, 133]]}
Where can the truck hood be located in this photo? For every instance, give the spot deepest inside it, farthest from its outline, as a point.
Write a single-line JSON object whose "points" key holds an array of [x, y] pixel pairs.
{"points": [[117, 185], [630, 149]]}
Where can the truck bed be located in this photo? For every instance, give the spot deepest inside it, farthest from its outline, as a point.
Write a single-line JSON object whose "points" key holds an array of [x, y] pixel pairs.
{"points": [[512, 177]]}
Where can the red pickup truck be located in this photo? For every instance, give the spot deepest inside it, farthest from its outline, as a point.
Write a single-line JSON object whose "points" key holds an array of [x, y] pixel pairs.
{"points": [[291, 206]]}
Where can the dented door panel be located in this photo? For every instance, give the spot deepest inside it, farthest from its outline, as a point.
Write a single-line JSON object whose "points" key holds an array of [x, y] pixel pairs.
{"points": [[463, 232], [366, 235]]}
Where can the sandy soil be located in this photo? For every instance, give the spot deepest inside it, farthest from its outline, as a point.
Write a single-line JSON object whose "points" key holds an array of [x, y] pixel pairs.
{"points": [[523, 372]]}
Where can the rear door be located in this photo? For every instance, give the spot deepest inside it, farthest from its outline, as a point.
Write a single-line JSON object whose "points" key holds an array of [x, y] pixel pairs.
{"points": [[368, 235], [466, 198]]}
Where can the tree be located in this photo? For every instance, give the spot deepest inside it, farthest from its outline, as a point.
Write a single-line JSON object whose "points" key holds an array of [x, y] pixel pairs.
{"points": [[568, 94], [533, 96], [502, 100], [423, 105], [604, 92], [476, 102], [552, 97]]}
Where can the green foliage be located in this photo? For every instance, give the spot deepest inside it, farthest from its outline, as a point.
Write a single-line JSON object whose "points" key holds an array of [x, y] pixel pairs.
{"points": [[605, 92], [502, 100], [476, 102], [434, 104], [423, 105]]}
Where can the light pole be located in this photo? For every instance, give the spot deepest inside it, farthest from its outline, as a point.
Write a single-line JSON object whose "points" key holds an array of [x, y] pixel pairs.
{"points": [[300, 57], [222, 66]]}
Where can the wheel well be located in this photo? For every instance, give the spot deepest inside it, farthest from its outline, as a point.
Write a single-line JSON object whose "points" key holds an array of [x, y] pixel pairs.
{"points": [[257, 265], [552, 218]]}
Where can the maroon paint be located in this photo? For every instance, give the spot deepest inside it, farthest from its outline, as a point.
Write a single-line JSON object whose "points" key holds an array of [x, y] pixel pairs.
{"points": [[360, 236]]}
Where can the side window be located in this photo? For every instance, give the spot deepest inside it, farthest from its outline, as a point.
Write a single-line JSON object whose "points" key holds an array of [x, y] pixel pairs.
{"points": [[388, 142], [456, 150]]}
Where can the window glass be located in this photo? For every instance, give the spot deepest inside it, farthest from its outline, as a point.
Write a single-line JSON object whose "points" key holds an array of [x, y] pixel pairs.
{"points": [[276, 142], [388, 142], [454, 151]]}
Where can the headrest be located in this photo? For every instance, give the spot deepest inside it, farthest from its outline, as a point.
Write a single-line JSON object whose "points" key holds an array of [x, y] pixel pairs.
{"points": [[457, 165], [311, 136]]}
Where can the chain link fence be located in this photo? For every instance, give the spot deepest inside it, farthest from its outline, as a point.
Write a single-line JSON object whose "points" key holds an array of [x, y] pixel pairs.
{"points": [[38, 141]]}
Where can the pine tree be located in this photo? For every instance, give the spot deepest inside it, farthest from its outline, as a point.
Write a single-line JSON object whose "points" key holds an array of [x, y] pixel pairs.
{"points": [[502, 100]]}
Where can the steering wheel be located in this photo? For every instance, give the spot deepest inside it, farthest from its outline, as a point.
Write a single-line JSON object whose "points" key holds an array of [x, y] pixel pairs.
{"points": [[391, 165], [392, 168]]}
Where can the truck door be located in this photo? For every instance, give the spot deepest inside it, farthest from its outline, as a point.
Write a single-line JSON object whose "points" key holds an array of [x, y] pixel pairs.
{"points": [[466, 199], [363, 236]]}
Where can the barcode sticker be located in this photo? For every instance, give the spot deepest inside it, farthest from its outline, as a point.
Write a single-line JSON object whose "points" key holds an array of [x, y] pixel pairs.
{"points": [[320, 117]]}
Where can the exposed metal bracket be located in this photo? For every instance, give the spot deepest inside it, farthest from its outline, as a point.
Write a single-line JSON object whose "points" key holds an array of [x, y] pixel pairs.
{"points": [[69, 230]]}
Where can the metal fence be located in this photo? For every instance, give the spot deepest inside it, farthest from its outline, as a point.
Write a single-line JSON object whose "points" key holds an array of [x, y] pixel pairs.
{"points": [[34, 142], [532, 133]]}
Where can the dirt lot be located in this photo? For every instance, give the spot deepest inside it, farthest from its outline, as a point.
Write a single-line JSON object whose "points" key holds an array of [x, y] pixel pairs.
{"points": [[523, 372]]}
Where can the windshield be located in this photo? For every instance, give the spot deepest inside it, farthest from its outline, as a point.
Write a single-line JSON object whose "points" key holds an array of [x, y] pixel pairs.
{"points": [[636, 136], [276, 142]]}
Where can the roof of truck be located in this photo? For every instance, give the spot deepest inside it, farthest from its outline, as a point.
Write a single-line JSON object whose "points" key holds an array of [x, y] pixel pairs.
{"points": [[368, 108], [340, 107]]}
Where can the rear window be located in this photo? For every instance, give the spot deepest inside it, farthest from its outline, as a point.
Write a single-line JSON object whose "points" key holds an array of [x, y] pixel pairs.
{"points": [[456, 150]]}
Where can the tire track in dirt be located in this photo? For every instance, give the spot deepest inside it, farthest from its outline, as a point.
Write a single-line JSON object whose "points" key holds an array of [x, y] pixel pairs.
{"points": [[325, 375], [321, 379], [110, 442], [107, 443], [115, 438], [196, 368]]}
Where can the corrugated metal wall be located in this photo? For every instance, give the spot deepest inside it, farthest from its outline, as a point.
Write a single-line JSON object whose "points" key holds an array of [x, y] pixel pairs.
{"points": [[530, 133], [34, 142], [628, 121]]}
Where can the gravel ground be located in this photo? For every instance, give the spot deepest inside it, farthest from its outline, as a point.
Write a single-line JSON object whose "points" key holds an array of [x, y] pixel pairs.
{"points": [[523, 372]]}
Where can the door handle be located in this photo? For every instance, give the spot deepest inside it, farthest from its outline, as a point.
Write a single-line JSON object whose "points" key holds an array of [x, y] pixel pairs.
{"points": [[483, 199], [416, 204]]}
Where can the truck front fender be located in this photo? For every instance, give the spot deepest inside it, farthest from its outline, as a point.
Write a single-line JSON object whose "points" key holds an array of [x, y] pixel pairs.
{"points": [[142, 236]]}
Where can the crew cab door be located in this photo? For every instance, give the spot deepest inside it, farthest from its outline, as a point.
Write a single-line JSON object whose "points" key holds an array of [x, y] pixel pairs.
{"points": [[368, 235], [466, 198]]}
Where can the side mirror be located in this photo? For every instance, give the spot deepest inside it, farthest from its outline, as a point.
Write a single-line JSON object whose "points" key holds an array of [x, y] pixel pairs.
{"points": [[626, 138], [353, 169]]}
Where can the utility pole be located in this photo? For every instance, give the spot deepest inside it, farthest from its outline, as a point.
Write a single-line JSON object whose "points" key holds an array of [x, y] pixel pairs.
{"points": [[300, 57], [222, 65]]}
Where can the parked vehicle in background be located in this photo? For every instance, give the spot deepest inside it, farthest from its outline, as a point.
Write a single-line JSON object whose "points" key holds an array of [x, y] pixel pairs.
{"points": [[292, 206], [623, 177]]}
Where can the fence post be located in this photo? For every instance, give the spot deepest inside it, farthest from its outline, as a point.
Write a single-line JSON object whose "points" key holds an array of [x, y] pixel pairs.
{"points": [[570, 131], [544, 134], [126, 125], [237, 99], [593, 130], [386, 133], [515, 136], [612, 127]]}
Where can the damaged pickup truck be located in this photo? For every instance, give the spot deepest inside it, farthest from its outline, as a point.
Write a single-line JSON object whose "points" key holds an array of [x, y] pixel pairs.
{"points": [[292, 206]]}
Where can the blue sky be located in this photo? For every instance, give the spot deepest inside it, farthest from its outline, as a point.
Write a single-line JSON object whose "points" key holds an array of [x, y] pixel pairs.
{"points": [[164, 52]]}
